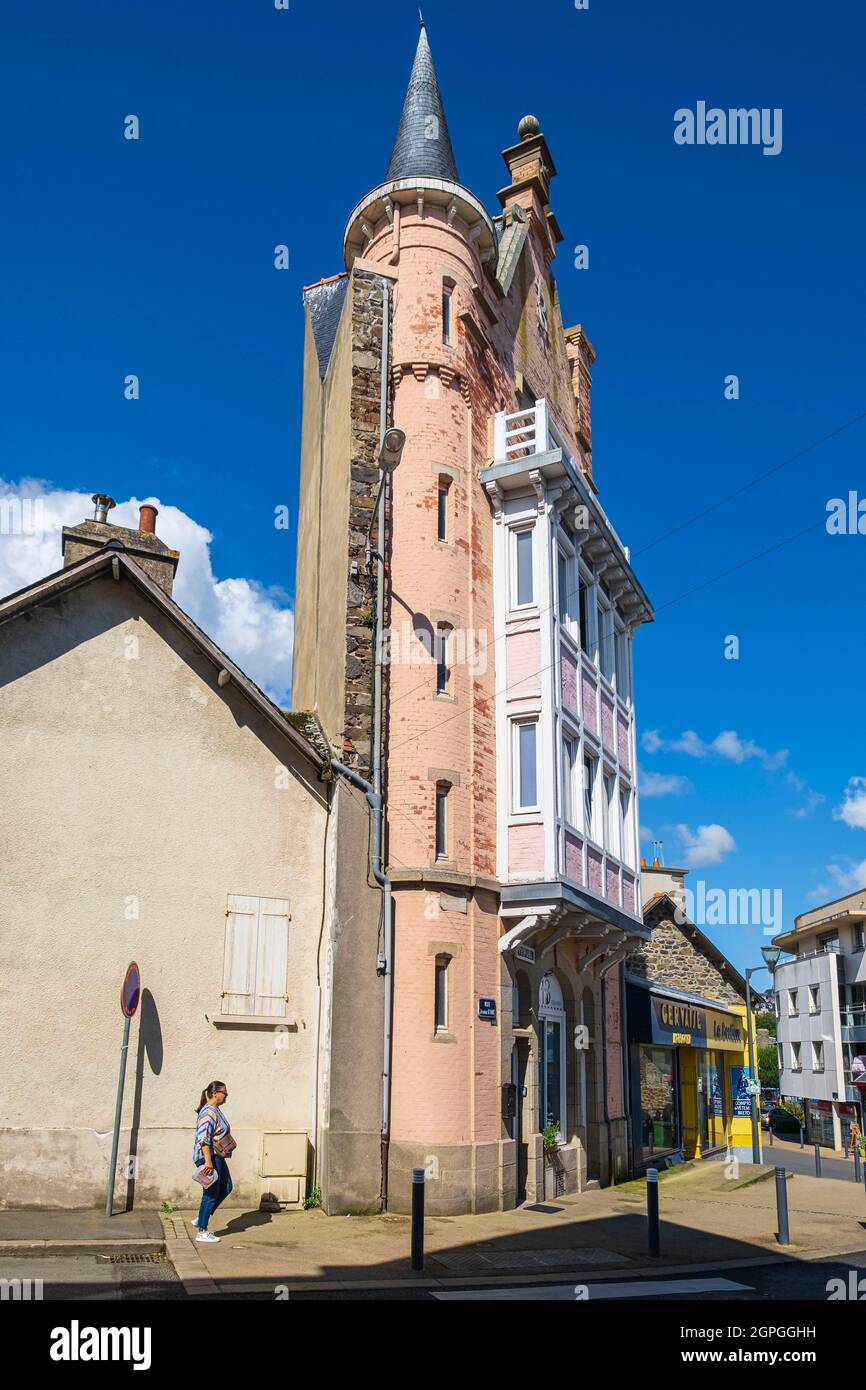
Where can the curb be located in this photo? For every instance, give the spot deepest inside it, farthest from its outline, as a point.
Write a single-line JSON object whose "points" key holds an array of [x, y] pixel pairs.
{"points": [[205, 1285], [181, 1252]]}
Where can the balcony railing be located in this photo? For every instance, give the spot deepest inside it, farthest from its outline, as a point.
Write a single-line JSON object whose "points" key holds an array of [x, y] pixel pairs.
{"points": [[524, 434]]}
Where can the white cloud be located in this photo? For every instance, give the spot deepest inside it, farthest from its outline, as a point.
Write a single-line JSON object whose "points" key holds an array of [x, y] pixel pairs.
{"points": [[727, 744], [853, 808], [707, 845], [811, 798], [663, 784], [253, 624], [847, 878]]}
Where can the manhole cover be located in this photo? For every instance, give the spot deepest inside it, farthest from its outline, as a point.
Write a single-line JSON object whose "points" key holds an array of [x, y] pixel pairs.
{"points": [[540, 1206]]}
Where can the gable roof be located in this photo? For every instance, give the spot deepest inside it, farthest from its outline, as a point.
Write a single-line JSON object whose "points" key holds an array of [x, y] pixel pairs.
{"points": [[661, 908], [113, 560]]}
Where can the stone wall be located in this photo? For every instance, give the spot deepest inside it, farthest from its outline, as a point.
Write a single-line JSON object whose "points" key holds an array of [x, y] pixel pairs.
{"points": [[675, 956]]}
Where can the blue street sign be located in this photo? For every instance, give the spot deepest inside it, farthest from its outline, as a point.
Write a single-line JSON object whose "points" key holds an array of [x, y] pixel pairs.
{"points": [[487, 1009]]}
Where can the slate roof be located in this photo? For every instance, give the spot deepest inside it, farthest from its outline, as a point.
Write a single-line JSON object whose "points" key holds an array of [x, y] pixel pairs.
{"points": [[423, 145], [325, 301]]}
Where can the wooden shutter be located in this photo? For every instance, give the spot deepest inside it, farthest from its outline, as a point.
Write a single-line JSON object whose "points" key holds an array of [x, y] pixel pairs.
{"points": [[272, 957], [255, 963]]}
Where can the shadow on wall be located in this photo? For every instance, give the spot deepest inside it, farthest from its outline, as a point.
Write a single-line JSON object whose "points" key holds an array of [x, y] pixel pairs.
{"points": [[150, 1048]]}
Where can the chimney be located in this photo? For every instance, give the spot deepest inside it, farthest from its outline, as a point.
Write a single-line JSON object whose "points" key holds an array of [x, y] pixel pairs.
{"points": [[659, 878], [142, 545]]}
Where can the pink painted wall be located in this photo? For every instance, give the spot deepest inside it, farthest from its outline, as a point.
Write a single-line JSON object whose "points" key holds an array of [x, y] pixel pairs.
{"points": [[611, 882], [590, 716], [607, 737], [523, 663], [595, 875], [569, 681], [622, 742], [573, 858], [526, 849]]}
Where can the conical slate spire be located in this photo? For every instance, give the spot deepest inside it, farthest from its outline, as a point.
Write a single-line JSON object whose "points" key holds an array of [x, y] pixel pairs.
{"points": [[423, 145]]}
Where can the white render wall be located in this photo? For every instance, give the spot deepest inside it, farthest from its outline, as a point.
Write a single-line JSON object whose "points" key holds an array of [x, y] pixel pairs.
{"points": [[135, 796], [825, 1026]]}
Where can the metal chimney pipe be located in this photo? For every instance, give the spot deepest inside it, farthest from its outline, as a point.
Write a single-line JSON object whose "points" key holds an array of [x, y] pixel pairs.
{"points": [[103, 504], [147, 515]]}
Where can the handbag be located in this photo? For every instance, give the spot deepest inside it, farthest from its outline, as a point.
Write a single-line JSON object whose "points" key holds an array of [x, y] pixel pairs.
{"points": [[206, 1179], [225, 1146]]}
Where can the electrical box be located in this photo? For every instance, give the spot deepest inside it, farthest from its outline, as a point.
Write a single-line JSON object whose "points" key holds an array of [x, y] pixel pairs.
{"points": [[283, 1166]]}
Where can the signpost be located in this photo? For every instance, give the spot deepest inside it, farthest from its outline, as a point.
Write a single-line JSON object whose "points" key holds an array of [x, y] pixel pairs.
{"points": [[129, 996]]}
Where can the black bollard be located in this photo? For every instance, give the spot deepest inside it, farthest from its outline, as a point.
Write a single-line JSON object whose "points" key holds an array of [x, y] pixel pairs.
{"points": [[783, 1235], [802, 1137], [652, 1211], [817, 1160], [770, 1135], [417, 1218], [856, 1162]]}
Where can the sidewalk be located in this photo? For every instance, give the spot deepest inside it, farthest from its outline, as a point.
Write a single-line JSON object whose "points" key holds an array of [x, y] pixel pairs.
{"points": [[706, 1219], [88, 1232]]}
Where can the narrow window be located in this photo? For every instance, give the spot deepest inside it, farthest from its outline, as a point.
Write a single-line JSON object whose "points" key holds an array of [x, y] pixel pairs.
{"points": [[792, 1003], [795, 1056], [582, 614], [611, 807], [588, 788], [441, 1000], [570, 762], [605, 642], [621, 643], [817, 1056], [814, 999], [442, 671], [625, 852], [524, 590], [441, 821], [447, 291], [442, 512], [526, 798]]}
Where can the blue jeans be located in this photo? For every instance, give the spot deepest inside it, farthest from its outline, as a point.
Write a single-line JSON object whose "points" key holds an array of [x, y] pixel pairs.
{"points": [[216, 1193]]}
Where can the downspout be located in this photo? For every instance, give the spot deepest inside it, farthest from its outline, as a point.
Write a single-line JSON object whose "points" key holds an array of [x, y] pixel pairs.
{"points": [[373, 790], [616, 957]]}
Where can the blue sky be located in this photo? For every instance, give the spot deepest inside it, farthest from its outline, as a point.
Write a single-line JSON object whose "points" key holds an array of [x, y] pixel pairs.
{"points": [[261, 126]]}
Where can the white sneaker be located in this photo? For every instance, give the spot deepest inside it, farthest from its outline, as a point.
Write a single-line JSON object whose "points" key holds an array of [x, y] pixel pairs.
{"points": [[194, 1224], [208, 1238]]}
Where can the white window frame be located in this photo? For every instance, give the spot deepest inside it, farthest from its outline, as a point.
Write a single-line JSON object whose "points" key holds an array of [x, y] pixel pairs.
{"points": [[513, 532], [814, 999], [448, 313], [793, 1003], [817, 1054], [621, 658], [256, 939], [443, 509], [604, 629], [440, 992], [625, 823], [610, 808], [590, 822], [568, 605], [442, 793], [518, 723], [442, 638], [795, 1056], [571, 776]]}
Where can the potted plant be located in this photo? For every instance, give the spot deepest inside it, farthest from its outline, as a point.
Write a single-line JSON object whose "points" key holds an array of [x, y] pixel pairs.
{"points": [[552, 1163]]}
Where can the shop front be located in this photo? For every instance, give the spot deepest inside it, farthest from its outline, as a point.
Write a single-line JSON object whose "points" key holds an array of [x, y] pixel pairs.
{"points": [[828, 1123], [687, 1074]]}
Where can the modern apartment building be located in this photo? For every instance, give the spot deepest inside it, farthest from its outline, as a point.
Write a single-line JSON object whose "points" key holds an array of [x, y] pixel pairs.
{"points": [[505, 633], [820, 997]]}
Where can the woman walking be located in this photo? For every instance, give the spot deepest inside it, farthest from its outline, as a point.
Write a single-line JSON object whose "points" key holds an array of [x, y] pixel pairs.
{"points": [[213, 1145]]}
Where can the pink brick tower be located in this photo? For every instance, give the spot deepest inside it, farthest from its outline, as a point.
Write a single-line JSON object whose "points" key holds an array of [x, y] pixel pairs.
{"points": [[509, 737]]}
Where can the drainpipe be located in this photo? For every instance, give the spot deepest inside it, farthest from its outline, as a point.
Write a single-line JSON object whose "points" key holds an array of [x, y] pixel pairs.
{"points": [[373, 790], [615, 959]]}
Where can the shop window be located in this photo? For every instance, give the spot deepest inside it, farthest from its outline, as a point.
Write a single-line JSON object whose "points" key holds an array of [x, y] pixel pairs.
{"points": [[551, 1087], [660, 1124]]}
